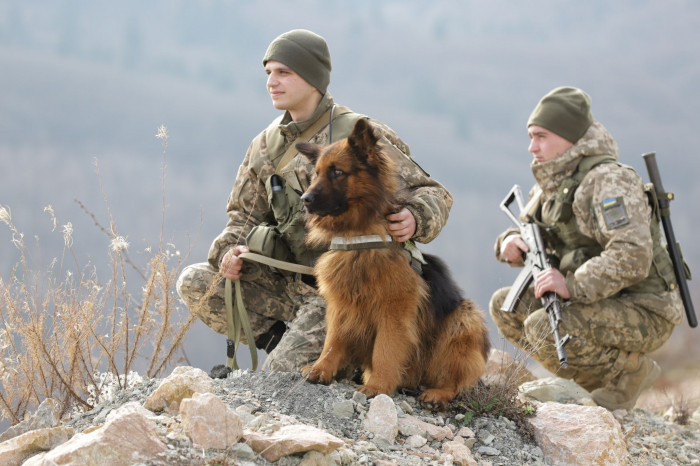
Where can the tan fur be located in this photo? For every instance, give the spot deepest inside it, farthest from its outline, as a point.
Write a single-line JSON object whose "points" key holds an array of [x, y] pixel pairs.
{"points": [[378, 310]]}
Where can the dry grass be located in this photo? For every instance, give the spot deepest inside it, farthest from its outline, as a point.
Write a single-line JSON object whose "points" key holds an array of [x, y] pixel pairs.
{"points": [[496, 395], [61, 326]]}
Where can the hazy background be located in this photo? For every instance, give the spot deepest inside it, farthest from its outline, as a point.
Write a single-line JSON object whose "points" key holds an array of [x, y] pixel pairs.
{"points": [[83, 80]]}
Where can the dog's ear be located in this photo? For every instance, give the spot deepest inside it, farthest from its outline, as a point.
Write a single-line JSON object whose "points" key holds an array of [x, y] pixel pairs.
{"points": [[362, 140], [310, 151]]}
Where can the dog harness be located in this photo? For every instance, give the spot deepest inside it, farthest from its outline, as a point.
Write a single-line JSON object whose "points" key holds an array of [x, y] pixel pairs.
{"points": [[358, 243]]}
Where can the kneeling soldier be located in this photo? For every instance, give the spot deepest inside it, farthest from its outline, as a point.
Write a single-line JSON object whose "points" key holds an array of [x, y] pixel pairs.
{"points": [[609, 259], [266, 213]]}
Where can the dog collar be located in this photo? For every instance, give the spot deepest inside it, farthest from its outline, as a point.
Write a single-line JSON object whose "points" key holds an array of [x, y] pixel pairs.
{"points": [[354, 243]]}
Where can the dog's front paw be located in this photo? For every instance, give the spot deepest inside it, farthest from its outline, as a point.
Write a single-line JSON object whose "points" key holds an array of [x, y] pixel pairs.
{"points": [[315, 375], [370, 391], [436, 399]]}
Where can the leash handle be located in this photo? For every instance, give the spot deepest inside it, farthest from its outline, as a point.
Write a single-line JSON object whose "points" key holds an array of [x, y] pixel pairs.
{"points": [[237, 318]]}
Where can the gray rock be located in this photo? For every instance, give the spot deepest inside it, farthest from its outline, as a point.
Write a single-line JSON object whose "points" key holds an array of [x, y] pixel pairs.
{"points": [[554, 389], [488, 451], [407, 407], [44, 418], [344, 409], [359, 398]]}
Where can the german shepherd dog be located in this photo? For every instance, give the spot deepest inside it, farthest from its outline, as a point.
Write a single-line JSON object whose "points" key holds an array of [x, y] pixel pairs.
{"points": [[402, 329]]}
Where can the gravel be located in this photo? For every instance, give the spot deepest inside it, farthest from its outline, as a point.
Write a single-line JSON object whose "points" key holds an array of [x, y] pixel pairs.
{"points": [[339, 409]]}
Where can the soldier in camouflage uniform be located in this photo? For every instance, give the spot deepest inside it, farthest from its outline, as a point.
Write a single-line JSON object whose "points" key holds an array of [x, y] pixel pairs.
{"points": [[610, 263], [286, 314]]}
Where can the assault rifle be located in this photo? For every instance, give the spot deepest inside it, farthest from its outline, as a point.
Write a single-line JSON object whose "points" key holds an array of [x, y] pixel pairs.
{"points": [[674, 251], [535, 261]]}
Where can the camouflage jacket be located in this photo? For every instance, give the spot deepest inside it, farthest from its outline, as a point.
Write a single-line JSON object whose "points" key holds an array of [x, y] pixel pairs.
{"points": [[627, 249], [248, 204]]}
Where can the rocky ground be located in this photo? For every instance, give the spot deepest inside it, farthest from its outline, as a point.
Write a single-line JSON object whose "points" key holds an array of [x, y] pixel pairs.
{"points": [[269, 402]]}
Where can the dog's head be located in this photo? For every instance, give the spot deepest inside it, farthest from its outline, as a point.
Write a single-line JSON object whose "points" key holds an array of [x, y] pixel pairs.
{"points": [[355, 181]]}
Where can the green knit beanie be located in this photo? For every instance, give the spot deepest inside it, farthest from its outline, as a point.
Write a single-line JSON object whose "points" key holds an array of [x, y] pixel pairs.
{"points": [[304, 52], [565, 111]]}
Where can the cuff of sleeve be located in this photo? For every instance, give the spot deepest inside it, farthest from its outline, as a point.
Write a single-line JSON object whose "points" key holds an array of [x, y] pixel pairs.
{"points": [[497, 248], [222, 253], [419, 235], [575, 293]]}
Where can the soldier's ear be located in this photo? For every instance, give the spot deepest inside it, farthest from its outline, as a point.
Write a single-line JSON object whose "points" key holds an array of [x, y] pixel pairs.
{"points": [[310, 151], [362, 140]]}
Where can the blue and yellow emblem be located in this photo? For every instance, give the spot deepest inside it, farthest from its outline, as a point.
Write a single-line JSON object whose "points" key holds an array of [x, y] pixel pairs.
{"points": [[614, 213]]}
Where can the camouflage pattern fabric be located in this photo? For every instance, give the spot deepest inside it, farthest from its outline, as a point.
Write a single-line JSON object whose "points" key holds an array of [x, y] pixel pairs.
{"points": [[602, 333], [302, 344], [270, 298], [248, 204], [273, 297], [627, 248], [605, 323]]}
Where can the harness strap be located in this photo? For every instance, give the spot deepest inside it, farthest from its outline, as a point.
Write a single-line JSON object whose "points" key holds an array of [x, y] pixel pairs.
{"points": [[307, 134], [355, 243], [237, 316], [365, 242]]}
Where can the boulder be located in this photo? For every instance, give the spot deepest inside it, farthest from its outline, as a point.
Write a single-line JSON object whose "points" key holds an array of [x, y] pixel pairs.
{"points": [[575, 435], [409, 425], [209, 422], [466, 432], [344, 409], [290, 440], [696, 416], [181, 384], [554, 389], [502, 369], [46, 416], [415, 441], [461, 455], [382, 420], [17, 449], [127, 438], [130, 407]]}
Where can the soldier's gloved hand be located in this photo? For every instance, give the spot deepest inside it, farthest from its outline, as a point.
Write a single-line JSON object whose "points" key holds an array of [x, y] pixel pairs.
{"points": [[551, 280], [402, 225], [512, 248], [231, 265]]}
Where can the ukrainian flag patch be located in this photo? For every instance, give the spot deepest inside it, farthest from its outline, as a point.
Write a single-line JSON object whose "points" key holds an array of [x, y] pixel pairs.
{"points": [[614, 212]]}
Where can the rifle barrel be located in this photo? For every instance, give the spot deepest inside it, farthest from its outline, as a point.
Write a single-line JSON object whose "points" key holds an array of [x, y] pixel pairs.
{"points": [[664, 207]]}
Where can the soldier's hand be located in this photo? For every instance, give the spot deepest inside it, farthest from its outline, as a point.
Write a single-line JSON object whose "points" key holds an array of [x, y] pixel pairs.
{"points": [[551, 280], [402, 225], [512, 248], [231, 265]]}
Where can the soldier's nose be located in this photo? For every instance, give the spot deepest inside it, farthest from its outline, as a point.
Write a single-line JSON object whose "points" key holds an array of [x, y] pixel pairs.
{"points": [[307, 198]]}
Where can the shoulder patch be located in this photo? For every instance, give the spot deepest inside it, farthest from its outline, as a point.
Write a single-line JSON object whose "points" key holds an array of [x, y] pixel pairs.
{"points": [[614, 212]]}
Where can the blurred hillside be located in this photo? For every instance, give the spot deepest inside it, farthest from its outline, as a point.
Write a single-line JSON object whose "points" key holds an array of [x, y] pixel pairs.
{"points": [[83, 80]]}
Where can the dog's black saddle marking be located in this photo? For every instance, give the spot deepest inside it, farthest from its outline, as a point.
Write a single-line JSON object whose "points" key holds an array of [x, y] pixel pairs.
{"points": [[446, 295]]}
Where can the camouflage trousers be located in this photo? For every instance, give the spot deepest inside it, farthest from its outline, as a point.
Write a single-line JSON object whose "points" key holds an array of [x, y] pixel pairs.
{"points": [[268, 299], [603, 334]]}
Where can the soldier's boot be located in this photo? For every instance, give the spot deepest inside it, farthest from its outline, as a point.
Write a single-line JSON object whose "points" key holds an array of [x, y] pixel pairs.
{"points": [[638, 374], [589, 384]]}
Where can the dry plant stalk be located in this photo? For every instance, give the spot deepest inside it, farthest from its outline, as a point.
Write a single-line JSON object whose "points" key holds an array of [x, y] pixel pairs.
{"points": [[60, 326], [498, 395]]}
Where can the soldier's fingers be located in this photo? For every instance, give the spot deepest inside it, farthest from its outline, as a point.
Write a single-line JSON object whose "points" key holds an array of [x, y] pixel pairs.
{"points": [[521, 244], [239, 249]]}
